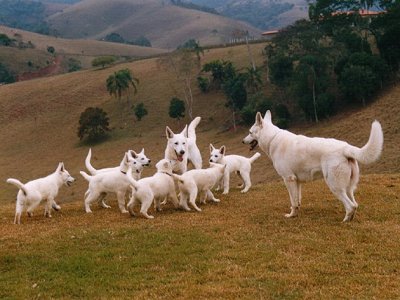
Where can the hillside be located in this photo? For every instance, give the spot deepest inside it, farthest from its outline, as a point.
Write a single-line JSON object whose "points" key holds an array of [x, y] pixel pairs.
{"points": [[165, 25], [48, 109]]}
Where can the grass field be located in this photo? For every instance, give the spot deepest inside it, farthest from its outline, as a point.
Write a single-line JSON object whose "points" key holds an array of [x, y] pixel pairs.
{"points": [[240, 248]]}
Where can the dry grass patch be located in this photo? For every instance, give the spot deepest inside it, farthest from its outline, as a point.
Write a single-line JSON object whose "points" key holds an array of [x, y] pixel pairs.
{"points": [[242, 247]]}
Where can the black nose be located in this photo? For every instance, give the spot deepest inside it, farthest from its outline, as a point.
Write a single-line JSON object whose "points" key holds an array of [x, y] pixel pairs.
{"points": [[182, 152], [149, 160], [210, 160], [242, 142]]}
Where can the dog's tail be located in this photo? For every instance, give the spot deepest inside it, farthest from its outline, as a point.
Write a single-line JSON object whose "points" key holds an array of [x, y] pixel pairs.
{"points": [[88, 165], [371, 150], [18, 184], [177, 177], [86, 176], [192, 127], [254, 157], [132, 180]]}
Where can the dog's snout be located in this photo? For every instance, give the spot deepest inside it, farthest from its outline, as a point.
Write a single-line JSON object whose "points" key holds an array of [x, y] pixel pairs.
{"points": [[243, 142], [210, 160], [182, 152], [149, 160]]}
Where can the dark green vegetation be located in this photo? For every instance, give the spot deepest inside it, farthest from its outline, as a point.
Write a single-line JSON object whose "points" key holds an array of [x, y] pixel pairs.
{"points": [[190, 5], [93, 124], [120, 82], [176, 108], [117, 38], [140, 111]]}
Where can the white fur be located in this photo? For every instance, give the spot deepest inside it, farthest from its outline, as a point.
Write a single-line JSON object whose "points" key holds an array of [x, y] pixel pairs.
{"points": [[115, 181], [138, 161], [234, 163], [157, 187], [299, 159], [182, 148], [33, 192], [199, 180]]}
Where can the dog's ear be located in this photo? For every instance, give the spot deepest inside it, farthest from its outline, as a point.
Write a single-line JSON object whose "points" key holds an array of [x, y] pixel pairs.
{"points": [[185, 132], [133, 154], [142, 152], [259, 120], [126, 158], [60, 167], [222, 150], [267, 116], [211, 148], [169, 133]]}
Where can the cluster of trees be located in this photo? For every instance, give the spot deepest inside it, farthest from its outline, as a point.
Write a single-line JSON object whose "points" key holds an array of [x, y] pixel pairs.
{"points": [[117, 38], [326, 62], [191, 5]]}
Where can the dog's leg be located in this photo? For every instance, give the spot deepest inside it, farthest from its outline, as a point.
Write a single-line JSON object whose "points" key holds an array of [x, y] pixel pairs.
{"points": [[183, 201], [47, 211], [226, 182], [102, 200], [175, 201], [55, 206], [32, 207], [203, 197], [192, 199], [299, 196], [90, 197], [121, 202], [210, 196], [291, 185], [157, 204], [131, 205], [146, 203], [246, 180], [242, 185], [18, 212]]}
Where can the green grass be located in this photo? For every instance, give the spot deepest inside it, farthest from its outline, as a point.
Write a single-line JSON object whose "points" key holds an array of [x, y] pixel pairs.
{"points": [[240, 248]]}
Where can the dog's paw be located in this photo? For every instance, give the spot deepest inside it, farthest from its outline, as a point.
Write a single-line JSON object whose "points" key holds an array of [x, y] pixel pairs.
{"points": [[124, 211], [88, 211], [244, 191], [30, 214], [225, 193], [56, 207], [216, 200]]}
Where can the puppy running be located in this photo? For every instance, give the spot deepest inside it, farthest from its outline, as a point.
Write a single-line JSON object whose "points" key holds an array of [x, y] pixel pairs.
{"points": [[199, 180], [115, 181], [157, 187], [182, 148], [299, 159], [33, 192], [234, 163]]}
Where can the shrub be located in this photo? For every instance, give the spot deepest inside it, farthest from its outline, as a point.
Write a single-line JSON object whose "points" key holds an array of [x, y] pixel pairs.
{"points": [[140, 111], [256, 103], [103, 61], [5, 75], [204, 84], [177, 108], [93, 123]]}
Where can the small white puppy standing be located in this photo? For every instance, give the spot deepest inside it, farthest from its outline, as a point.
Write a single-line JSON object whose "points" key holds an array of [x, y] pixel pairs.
{"points": [[115, 181], [155, 188], [138, 161], [298, 159], [199, 181], [234, 163], [182, 147], [33, 192]]}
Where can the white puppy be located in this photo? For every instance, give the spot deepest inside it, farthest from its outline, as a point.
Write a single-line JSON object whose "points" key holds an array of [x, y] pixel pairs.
{"points": [[234, 163], [157, 187], [115, 181], [199, 180], [138, 161], [46, 188], [299, 159], [182, 147]]}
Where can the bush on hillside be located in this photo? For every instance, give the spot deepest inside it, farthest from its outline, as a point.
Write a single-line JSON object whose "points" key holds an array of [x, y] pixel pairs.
{"points": [[93, 123], [103, 61], [176, 108], [140, 111], [5, 75]]}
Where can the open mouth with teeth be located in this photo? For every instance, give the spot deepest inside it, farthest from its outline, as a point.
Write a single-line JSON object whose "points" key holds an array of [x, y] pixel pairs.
{"points": [[253, 145], [69, 183], [179, 157]]}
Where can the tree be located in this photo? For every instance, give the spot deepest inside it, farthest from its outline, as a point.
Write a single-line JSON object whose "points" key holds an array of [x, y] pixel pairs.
{"points": [[93, 123], [184, 65], [103, 61], [51, 49], [253, 79], [140, 111], [120, 81], [193, 45], [220, 71], [176, 108], [236, 94], [5, 75], [5, 40]]}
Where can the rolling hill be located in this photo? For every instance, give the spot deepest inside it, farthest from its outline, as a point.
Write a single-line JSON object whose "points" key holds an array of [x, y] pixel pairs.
{"points": [[164, 24]]}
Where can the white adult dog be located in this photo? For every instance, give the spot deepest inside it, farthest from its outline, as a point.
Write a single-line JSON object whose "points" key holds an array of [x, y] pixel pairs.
{"points": [[299, 159], [115, 181], [234, 163], [33, 192], [199, 181], [138, 161], [155, 188], [182, 147]]}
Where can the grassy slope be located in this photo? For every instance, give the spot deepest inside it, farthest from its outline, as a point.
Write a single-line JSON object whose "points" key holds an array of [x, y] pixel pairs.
{"points": [[243, 246], [161, 23]]}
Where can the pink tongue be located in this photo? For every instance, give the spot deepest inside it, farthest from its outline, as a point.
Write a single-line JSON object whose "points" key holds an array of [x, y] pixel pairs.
{"points": [[180, 158]]}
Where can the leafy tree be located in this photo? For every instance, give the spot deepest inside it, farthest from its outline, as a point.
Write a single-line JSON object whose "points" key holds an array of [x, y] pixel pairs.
{"points": [[253, 79], [114, 37], [74, 65], [176, 108], [120, 81], [51, 49], [204, 84], [140, 111], [255, 103], [93, 123], [103, 61], [5, 75], [280, 69], [220, 71], [236, 94], [141, 41], [5, 40], [193, 45]]}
